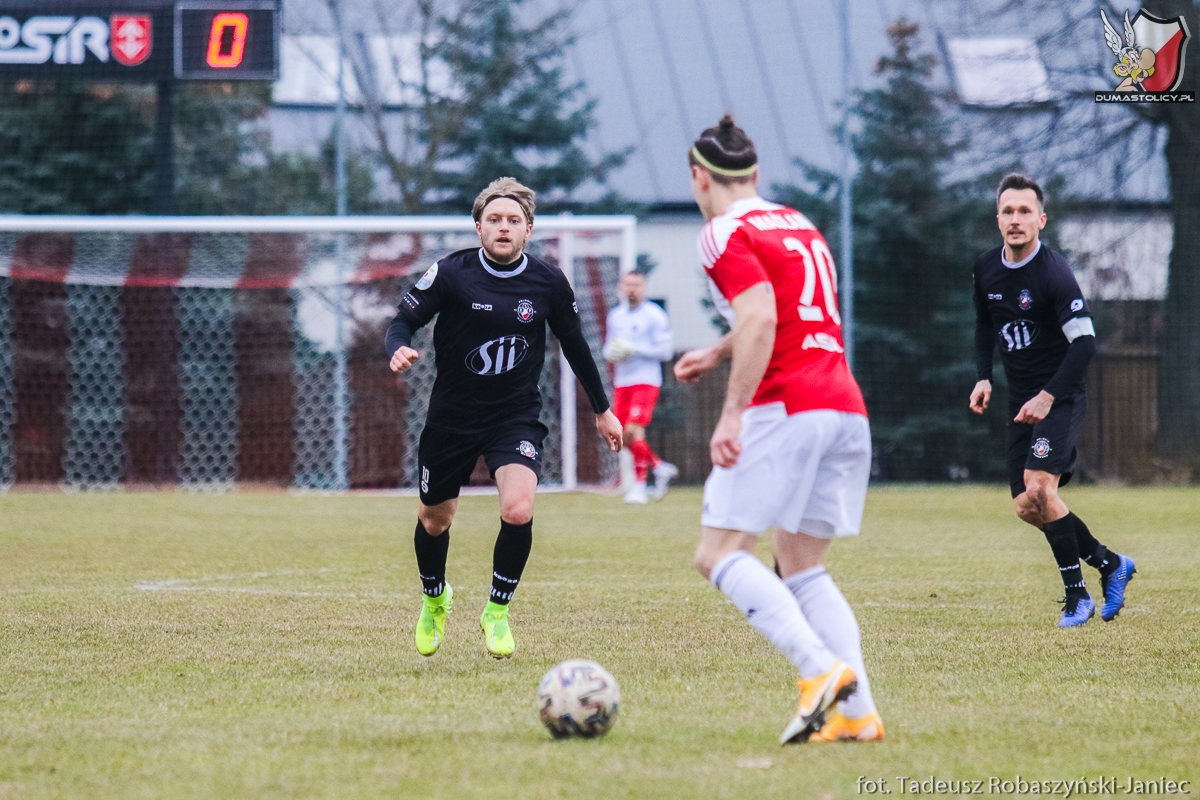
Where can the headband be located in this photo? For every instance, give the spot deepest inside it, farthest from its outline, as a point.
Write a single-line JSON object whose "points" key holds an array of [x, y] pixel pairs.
{"points": [[729, 173], [517, 200]]}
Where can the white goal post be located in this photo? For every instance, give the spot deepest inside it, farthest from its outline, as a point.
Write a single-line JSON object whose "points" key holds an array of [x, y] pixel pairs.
{"points": [[111, 252]]}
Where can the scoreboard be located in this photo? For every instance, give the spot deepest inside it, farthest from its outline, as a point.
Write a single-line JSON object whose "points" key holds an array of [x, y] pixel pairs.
{"points": [[140, 40], [144, 41], [224, 41]]}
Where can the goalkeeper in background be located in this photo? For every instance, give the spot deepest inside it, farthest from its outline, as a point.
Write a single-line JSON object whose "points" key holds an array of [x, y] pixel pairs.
{"points": [[638, 340]]}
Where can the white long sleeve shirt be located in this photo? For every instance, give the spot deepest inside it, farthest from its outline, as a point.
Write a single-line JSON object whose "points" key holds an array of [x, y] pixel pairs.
{"points": [[649, 331]]}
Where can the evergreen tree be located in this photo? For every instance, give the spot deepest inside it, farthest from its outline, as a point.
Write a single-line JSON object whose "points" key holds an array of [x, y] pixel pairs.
{"points": [[225, 163], [68, 148], [916, 237], [504, 110]]}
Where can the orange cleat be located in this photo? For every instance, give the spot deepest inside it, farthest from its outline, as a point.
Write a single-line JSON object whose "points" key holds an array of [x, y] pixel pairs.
{"points": [[840, 728], [816, 696]]}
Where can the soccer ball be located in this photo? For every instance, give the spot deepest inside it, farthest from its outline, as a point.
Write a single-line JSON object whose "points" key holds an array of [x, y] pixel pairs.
{"points": [[578, 698]]}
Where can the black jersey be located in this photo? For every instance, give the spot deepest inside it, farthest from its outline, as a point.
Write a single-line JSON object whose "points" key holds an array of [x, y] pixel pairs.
{"points": [[490, 337], [1026, 309]]}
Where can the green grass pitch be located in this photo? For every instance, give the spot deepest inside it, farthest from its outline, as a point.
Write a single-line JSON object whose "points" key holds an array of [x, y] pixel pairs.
{"points": [[260, 646]]}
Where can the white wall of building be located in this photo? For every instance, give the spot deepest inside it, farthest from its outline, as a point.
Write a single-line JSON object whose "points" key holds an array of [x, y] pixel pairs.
{"points": [[1119, 256], [679, 279]]}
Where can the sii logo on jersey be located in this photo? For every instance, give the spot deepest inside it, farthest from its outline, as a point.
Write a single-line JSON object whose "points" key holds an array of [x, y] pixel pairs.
{"points": [[497, 356], [1018, 334], [525, 311]]}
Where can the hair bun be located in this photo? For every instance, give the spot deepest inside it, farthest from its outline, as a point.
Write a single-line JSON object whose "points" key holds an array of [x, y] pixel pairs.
{"points": [[726, 149]]}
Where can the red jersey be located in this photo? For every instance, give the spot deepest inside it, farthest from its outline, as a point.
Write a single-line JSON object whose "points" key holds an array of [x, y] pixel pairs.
{"points": [[756, 241]]}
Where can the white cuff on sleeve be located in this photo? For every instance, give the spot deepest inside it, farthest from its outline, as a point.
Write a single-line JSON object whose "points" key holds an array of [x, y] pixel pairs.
{"points": [[1080, 326]]}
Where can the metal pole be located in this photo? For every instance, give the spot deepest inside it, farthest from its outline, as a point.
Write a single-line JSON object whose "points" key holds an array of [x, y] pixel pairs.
{"points": [[846, 222], [166, 404], [566, 380], [629, 246], [341, 389], [164, 150], [339, 123]]}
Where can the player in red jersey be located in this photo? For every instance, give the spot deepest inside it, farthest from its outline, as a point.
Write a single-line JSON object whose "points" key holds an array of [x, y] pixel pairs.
{"points": [[792, 449]]}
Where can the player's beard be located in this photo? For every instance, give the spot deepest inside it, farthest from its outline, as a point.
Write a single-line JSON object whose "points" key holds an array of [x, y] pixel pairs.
{"points": [[516, 241]]}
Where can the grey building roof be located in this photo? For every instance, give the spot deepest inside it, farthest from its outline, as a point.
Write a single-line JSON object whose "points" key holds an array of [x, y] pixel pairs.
{"points": [[663, 70]]}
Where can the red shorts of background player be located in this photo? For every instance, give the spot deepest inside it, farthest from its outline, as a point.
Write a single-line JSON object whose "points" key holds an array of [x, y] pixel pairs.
{"points": [[635, 403]]}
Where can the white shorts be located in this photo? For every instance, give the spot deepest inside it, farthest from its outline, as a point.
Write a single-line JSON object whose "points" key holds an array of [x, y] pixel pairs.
{"points": [[803, 472]]}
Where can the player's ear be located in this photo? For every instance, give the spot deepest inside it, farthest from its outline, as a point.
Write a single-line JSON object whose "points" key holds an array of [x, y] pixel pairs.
{"points": [[1042, 221]]}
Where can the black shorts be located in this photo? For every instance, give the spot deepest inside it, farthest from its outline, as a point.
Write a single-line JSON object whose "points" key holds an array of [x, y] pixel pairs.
{"points": [[1048, 446], [446, 458]]}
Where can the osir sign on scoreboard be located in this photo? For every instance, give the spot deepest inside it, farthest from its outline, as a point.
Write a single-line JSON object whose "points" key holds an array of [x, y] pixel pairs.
{"points": [[141, 41]]}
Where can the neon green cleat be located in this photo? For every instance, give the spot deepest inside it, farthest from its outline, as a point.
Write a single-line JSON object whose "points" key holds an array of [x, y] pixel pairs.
{"points": [[431, 627], [496, 631]]}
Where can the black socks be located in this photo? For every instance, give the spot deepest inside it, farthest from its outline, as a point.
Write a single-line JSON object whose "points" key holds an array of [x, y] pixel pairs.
{"points": [[508, 559], [1061, 535], [431, 559], [1094, 553]]}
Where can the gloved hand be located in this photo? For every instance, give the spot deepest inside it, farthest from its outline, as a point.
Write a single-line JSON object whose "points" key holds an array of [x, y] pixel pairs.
{"points": [[618, 350]]}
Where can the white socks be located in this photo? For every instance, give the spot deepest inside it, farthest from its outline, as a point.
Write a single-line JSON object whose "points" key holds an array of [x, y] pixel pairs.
{"points": [[831, 617], [772, 611], [625, 460]]}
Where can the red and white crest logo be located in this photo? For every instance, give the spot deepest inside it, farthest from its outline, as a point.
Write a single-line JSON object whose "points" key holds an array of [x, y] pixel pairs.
{"points": [[1151, 58], [1168, 39], [132, 38]]}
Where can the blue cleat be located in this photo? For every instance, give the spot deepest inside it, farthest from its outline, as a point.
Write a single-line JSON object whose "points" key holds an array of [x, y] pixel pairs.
{"points": [[1077, 610], [1114, 588]]}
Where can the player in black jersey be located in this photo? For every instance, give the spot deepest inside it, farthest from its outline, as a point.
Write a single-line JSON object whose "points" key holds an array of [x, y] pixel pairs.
{"points": [[1028, 302], [493, 305]]}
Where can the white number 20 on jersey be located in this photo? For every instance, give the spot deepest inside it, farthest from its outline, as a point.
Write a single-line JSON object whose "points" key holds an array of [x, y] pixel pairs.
{"points": [[818, 264]]}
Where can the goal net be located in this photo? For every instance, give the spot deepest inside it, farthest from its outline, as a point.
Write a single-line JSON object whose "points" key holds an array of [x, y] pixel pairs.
{"points": [[208, 352]]}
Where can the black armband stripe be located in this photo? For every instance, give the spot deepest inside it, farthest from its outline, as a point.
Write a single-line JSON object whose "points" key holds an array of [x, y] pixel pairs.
{"points": [[1070, 371], [399, 334], [579, 356], [985, 346]]}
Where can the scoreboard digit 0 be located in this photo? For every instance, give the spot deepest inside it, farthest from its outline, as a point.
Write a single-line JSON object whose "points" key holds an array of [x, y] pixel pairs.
{"points": [[226, 41]]}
